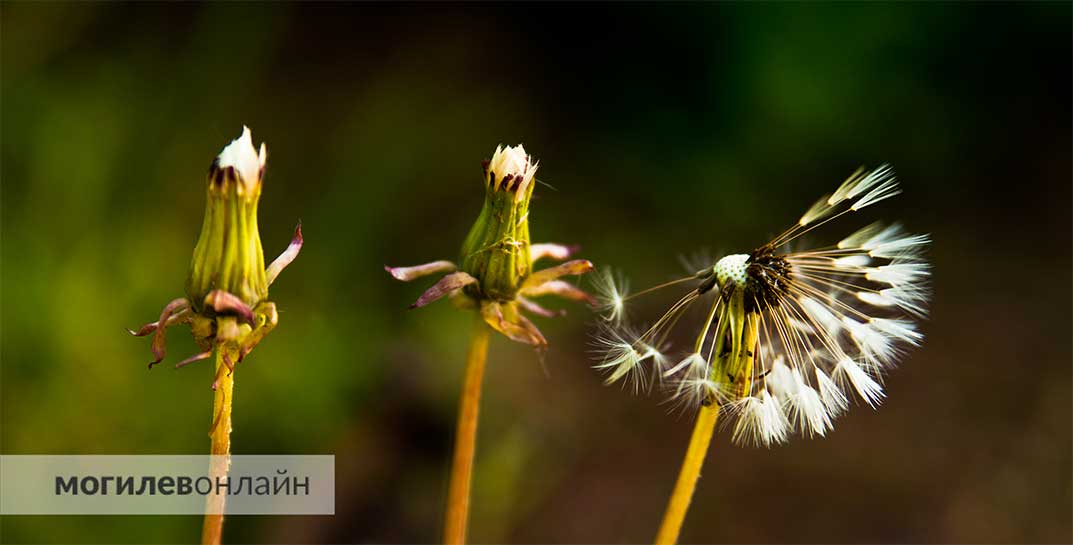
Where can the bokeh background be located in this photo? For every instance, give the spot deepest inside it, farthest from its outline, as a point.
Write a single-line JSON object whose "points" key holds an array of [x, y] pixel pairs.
{"points": [[662, 130]]}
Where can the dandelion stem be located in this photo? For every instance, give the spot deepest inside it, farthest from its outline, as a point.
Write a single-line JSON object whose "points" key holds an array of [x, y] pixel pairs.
{"points": [[688, 476], [466, 437], [220, 434]]}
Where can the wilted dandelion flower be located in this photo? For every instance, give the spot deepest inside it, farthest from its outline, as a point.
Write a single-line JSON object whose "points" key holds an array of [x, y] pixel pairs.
{"points": [[790, 334]]}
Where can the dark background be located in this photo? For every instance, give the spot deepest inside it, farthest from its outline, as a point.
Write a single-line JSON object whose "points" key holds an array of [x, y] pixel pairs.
{"points": [[664, 129]]}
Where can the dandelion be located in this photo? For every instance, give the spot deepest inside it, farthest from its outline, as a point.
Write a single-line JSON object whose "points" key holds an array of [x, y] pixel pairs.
{"points": [[226, 303], [496, 278], [790, 335]]}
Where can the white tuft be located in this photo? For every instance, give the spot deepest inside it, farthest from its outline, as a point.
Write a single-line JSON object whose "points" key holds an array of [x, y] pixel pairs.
{"points": [[882, 186], [761, 421], [821, 313], [780, 380], [909, 297], [870, 181], [694, 364], [893, 242], [848, 372], [513, 162], [853, 261], [807, 409], [876, 299], [611, 292], [874, 343], [903, 330], [899, 273], [842, 193], [862, 235], [241, 156], [831, 394], [821, 209]]}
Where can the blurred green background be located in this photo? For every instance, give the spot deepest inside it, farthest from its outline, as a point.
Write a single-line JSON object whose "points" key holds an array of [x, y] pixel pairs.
{"points": [[663, 129]]}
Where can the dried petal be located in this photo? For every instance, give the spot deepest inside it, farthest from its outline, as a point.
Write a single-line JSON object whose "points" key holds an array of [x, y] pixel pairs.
{"points": [[577, 266], [558, 252], [407, 274], [196, 357], [537, 309], [445, 286], [560, 288], [228, 303], [178, 317], [159, 343], [506, 319], [286, 257]]}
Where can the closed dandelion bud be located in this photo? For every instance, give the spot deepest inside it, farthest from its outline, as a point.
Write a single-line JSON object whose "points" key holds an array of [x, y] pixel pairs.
{"points": [[496, 274], [226, 299], [496, 251], [228, 255]]}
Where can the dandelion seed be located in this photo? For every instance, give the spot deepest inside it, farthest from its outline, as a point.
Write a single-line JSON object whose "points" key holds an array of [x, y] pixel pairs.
{"points": [[611, 293]]}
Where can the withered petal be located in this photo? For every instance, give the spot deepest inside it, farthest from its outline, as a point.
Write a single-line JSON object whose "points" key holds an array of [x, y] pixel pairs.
{"points": [[224, 302], [286, 257], [560, 288], [537, 309], [446, 285], [159, 344], [512, 324], [577, 266], [178, 317], [407, 274], [196, 357], [554, 251]]}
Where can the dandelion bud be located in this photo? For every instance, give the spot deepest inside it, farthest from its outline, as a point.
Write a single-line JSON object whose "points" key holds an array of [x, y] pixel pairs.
{"points": [[496, 274], [226, 299], [228, 255], [496, 251]]}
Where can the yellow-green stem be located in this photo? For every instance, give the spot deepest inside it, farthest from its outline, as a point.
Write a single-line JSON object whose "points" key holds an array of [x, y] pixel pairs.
{"points": [[454, 532], [678, 505], [220, 434]]}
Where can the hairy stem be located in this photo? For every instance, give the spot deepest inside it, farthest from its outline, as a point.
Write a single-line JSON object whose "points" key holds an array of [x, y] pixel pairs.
{"points": [[220, 434], [688, 475], [466, 438]]}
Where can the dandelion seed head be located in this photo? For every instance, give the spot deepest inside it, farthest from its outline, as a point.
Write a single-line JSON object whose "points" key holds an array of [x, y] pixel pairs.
{"points": [[732, 268], [793, 334]]}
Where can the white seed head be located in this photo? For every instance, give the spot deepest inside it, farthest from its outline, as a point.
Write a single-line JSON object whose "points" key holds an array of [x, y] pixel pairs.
{"points": [[732, 268], [831, 320], [241, 156]]}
